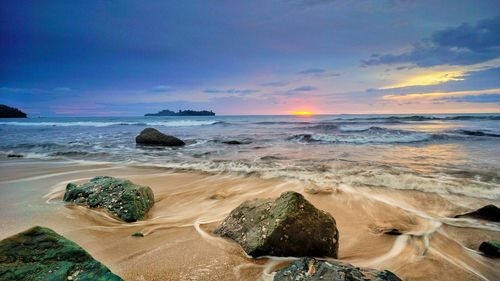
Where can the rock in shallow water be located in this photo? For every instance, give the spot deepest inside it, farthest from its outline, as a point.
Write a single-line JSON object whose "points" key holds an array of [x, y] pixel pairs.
{"points": [[40, 253], [308, 269], [288, 226], [151, 136], [122, 198], [490, 248], [488, 212]]}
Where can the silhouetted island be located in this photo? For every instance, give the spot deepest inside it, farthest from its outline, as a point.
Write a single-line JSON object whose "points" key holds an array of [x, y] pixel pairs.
{"points": [[10, 112], [167, 112]]}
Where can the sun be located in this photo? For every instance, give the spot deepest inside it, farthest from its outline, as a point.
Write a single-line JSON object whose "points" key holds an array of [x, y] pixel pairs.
{"points": [[302, 113]]}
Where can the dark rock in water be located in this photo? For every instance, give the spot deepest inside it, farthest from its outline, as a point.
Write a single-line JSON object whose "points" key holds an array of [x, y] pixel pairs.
{"points": [[40, 253], [122, 198], [488, 212], [490, 248], [393, 231], [288, 226], [14, 156], [137, 234], [233, 142], [10, 112], [151, 136], [308, 269]]}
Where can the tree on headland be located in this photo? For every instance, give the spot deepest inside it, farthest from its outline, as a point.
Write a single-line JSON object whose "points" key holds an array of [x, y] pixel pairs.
{"points": [[10, 112]]}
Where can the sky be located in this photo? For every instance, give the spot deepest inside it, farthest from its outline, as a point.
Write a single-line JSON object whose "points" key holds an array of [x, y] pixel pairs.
{"points": [[128, 58]]}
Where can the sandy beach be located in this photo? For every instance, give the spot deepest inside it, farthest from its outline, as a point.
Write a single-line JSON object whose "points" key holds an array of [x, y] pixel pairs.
{"points": [[179, 244]]}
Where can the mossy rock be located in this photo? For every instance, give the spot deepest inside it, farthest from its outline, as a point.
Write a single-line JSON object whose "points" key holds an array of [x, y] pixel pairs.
{"points": [[40, 254], [308, 269], [288, 226], [122, 198]]}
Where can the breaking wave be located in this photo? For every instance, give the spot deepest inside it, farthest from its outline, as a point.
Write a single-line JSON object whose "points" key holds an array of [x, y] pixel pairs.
{"points": [[365, 136]]}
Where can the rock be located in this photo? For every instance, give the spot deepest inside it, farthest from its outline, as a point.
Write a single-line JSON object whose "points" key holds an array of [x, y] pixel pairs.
{"points": [[14, 156], [236, 142], [393, 231], [40, 253], [151, 136], [488, 212], [10, 112], [137, 234], [490, 248], [308, 269], [288, 226], [122, 198]]}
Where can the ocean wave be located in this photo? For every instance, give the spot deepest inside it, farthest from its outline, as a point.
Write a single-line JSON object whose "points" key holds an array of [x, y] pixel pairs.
{"points": [[344, 174], [366, 136], [417, 118], [169, 123], [282, 123]]}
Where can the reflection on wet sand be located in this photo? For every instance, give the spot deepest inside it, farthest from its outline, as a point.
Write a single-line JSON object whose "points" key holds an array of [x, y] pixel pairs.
{"points": [[179, 244]]}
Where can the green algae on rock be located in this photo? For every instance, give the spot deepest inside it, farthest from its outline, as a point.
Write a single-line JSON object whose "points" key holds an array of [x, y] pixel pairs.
{"points": [[309, 269], [288, 226], [122, 198], [39, 254]]}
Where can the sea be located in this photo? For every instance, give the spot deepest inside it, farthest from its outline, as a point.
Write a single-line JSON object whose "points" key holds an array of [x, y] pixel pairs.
{"points": [[455, 154]]}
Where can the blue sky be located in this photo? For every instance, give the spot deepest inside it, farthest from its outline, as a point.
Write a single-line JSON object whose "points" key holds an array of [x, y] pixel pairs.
{"points": [[86, 58]]}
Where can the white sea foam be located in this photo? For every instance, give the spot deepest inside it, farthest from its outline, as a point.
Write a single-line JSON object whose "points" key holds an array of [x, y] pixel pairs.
{"points": [[166, 123]]}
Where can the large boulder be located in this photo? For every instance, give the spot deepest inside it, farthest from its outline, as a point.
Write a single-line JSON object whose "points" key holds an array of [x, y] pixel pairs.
{"points": [[122, 198], [288, 226], [488, 212], [151, 136], [308, 269], [490, 248], [40, 254]]}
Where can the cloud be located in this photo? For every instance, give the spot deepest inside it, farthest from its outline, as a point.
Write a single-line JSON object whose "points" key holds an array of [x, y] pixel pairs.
{"points": [[463, 45], [231, 91], [160, 89], [275, 84], [62, 89], [312, 71], [306, 88], [441, 95], [430, 78], [315, 2], [486, 98], [318, 72]]}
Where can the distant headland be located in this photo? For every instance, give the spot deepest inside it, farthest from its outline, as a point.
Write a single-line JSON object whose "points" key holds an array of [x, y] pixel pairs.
{"points": [[10, 112], [167, 112]]}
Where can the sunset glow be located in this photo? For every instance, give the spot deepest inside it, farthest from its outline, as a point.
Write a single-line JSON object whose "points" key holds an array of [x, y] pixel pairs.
{"points": [[302, 113]]}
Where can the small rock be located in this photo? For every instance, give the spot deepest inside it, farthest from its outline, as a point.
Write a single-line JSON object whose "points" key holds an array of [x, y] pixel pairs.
{"points": [[14, 156], [490, 248], [137, 234], [488, 212]]}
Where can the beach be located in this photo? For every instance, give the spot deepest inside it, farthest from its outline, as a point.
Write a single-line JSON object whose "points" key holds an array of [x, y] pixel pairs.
{"points": [[394, 185], [179, 244]]}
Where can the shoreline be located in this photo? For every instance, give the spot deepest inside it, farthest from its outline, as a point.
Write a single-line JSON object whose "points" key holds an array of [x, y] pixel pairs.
{"points": [[178, 242]]}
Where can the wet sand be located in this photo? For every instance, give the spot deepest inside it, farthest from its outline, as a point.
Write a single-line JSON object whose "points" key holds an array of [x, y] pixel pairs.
{"points": [[178, 244]]}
